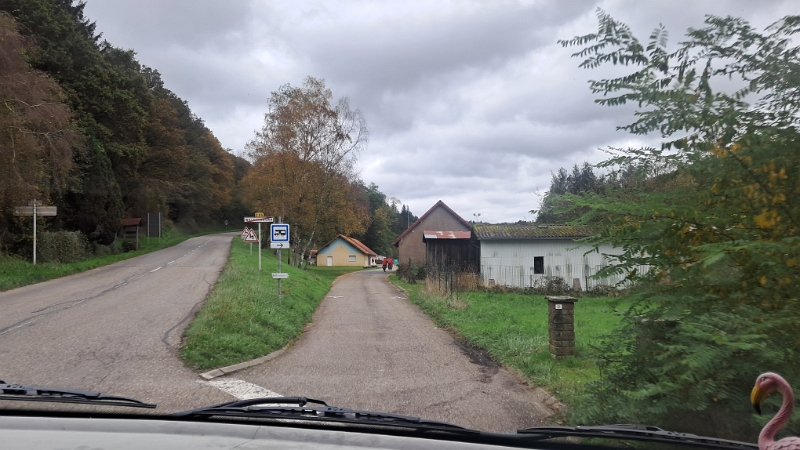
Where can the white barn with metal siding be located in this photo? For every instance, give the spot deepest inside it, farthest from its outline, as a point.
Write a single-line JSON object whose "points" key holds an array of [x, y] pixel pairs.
{"points": [[528, 255]]}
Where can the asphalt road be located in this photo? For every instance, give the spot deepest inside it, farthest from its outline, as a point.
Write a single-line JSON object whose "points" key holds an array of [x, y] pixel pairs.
{"points": [[115, 329], [368, 347]]}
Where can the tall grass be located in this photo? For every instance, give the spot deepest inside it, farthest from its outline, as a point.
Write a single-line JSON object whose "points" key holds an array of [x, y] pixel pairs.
{"points": [[513, 328], [243, 317], [16, 272]]}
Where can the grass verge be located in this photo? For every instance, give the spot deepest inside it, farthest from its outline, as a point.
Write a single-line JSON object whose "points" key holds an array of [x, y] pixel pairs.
{"points": [[16, 272], [513, 328], [243, 318]]}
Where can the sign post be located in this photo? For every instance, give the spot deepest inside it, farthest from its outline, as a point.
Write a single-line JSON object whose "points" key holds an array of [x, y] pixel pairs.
{"points": [[154, 226], [259, 219], [35, 211], [279, 237]]}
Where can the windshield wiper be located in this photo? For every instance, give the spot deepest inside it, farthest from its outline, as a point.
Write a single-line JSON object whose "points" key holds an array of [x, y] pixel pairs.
{"points": [[635, 432], [283, 408], [49, 394], [297, 408]]}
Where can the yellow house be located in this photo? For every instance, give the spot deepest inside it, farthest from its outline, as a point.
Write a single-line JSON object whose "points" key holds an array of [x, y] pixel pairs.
{"points": [[345, 251]]}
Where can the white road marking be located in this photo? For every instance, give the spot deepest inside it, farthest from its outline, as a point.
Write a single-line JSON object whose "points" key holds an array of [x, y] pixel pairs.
{"points": [[242, 390], [23, 324], [156, 269]]}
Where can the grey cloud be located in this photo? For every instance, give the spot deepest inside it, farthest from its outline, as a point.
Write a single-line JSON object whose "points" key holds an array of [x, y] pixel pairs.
{"points": [[159, 24], [473, 103]]}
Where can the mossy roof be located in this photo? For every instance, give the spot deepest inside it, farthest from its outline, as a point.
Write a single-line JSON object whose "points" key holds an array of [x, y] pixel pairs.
{"points": [[529, 231]]}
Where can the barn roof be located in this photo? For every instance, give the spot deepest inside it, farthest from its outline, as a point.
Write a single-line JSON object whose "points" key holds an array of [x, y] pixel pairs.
{"points": [[530, 231], [131, 222], [427, 234], [427, 213]]}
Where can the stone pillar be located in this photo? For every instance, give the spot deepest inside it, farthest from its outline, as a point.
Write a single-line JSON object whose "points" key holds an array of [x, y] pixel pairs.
{"points": [[561, 318]]}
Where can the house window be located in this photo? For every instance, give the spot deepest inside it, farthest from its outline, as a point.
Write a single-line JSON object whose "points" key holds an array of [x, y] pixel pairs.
{"points": [[538, 264], [352, 258]]}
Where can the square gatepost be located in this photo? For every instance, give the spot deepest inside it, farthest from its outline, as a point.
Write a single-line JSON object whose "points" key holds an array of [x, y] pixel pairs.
{"points": [[561, 320]]}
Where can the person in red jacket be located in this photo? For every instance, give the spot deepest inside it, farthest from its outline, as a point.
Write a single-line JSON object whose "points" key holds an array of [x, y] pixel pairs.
{"points": [[385, 262]]}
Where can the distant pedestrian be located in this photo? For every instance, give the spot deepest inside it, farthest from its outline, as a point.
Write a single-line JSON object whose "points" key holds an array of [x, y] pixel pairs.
{"points": [[385, 263], [391, 264]]}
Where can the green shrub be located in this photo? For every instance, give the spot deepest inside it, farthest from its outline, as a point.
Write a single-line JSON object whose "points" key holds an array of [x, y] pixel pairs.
{"points": [[129, 246], [103, 250], [411, 273], [62, 246]]}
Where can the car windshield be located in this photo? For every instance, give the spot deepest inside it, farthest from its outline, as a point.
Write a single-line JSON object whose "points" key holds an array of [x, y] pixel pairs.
{"points": [[492, 215]]}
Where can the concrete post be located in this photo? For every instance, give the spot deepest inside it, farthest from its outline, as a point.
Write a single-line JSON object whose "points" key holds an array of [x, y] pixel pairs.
{"points": [[561, 318]]}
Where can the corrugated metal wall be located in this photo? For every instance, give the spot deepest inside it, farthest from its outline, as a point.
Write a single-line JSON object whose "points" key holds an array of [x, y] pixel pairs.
{"points": [[510, 263]]}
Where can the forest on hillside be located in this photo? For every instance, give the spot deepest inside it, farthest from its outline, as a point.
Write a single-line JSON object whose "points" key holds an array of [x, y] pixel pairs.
{"points": [[89, 129]]}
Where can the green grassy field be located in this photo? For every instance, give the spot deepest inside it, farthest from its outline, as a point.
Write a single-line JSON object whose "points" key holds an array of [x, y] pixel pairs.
{"points": [[243, 318], [513, 328], [16, 272]]}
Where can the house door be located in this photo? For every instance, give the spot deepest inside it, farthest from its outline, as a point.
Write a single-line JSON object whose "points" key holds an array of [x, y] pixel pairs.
{"points": [[330, 261]]}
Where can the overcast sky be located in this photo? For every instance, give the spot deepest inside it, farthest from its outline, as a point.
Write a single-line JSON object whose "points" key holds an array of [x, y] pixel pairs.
{"points": [[469, 102]]}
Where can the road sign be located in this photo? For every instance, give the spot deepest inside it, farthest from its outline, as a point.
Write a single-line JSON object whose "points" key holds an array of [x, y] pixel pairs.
{"points": [[244, 232], [258, 219], [251, 236], [279, 245], [259, 214], [280, 275], [279, 232], [41, 211]]}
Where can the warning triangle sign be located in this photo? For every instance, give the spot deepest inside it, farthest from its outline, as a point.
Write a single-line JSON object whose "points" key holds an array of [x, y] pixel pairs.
{"points": [[243, 234], [251, 236]]}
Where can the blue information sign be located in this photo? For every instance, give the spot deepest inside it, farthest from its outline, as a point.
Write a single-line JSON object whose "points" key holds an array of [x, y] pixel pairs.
{"points": [[279, 232]]}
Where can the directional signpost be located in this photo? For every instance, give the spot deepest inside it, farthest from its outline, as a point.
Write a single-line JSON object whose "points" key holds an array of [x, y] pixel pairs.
{"points": [[279, 235], [259, 219], [35, 210], [279, 238]]}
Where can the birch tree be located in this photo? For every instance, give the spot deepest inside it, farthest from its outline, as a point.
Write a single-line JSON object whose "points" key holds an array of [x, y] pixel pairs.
{"points": [[305, 164]]}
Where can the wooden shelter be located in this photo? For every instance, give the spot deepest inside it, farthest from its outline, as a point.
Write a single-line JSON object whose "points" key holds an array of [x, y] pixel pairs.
{"points": [[440, 218]]}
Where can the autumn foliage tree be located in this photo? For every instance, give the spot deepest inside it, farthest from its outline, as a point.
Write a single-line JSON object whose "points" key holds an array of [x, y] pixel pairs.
{"points": [[97, 134], [36, 135], [304, 165], [720, 303]]}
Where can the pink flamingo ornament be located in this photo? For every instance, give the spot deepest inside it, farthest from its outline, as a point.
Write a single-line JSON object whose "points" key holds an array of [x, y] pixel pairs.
{"points": [[767, 383]]}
